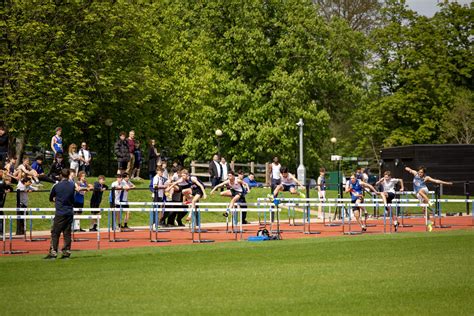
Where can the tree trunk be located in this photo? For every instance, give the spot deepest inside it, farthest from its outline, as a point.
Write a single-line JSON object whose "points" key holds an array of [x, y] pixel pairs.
{"points": [[20, 148]]}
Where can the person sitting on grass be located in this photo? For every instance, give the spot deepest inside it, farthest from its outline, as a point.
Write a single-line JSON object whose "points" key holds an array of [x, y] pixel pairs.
{"points": [[12, 174], [191, 188], [235, 189], [356, 188], [252, 183], [288, 183], [421, 190], [26, 171]]}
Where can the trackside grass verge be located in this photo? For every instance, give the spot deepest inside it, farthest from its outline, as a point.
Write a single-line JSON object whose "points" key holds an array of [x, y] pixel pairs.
{"points": [[408, 274]]}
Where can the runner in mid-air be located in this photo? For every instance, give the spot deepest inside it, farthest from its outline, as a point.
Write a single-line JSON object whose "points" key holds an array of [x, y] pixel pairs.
{"points": [[356, 188], [421, 190]]}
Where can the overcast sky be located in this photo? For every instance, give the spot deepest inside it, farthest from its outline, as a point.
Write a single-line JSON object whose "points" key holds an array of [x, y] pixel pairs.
{"points": [[428, 7]]}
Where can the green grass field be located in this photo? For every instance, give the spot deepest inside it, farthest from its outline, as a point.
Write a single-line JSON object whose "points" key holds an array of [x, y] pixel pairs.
{"points": [[404, 274], [41, 200]]}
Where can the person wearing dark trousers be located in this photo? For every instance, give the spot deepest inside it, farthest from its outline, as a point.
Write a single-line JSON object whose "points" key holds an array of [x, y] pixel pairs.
{"points": [[157, 186], [215, 171], [153, 156], [176, 197], [4, 188], [62, 194], [122, 152], [3, 146], [23, 188]]}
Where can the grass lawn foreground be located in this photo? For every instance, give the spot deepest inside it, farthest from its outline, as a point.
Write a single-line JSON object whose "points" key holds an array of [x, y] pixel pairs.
{"points": [[411, 273]]}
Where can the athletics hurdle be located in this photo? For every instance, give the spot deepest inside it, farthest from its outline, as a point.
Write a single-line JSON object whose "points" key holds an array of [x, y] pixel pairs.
{"points": [[31, 217]]}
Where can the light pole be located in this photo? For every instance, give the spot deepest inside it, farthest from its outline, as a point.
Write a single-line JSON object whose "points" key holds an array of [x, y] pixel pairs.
{"points": [[218, 138], [301, 169], [108, 123], [337, 158]]}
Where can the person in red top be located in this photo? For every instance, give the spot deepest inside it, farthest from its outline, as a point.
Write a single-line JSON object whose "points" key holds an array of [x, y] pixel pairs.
{"points": [[131, 148]]}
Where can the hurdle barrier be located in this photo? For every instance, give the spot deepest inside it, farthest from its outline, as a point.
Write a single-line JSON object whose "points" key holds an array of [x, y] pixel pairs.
{"points": [[236, 212], [31, 217]]}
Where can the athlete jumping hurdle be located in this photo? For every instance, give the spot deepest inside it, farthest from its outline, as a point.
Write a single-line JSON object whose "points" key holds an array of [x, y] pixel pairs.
{"points": [[356, 188], [421, 190]]}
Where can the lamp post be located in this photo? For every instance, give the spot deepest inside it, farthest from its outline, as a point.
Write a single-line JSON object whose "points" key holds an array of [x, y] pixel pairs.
{"points": [[218, 138], [301, 168], [108, 123]]}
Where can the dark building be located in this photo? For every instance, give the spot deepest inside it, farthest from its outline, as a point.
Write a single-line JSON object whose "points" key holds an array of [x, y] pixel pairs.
{"points": [[446, 162]]}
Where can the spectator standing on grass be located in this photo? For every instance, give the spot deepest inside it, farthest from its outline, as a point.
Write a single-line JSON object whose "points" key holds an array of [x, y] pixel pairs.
{"points": [[275, 174], [157, 187], [138, 161], [176, 197], [24, 186], [321, 187], [37, 166], [63, 196], [4, 188], [56, 167], [242, 201], [122, 153], [153, 156], [215, 171], [86, 157], [57, 141], [81, 187], [74, 158], [128, 185], [225, 169], [131, 150], [96, 199], [164, 167], [3, 146]]}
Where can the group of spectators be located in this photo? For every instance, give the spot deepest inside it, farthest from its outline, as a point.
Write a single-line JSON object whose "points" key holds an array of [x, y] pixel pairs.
{"points": [[219, 170]]}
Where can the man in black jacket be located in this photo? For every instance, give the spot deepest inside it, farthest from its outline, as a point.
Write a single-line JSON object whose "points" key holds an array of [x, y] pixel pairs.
{"points": [[122, 153], [4, 188], [3, 146], [215, 171], [62, 194]]}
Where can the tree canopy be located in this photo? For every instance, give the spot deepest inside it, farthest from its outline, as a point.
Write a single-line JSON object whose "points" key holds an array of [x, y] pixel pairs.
{"points": [[374, 75]]}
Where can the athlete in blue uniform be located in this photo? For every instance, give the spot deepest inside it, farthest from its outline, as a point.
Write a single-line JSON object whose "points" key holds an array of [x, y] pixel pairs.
{"points": [[57, 141], [421, 190], [356, 188]]}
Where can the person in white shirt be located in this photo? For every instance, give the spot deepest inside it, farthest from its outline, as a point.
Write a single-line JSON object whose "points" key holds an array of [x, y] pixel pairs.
{"points": [[225, 169], [388, 193], [85, 162], [158, 186], [275, 174]]}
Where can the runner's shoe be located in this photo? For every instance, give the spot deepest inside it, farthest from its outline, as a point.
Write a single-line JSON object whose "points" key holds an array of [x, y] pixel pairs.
{"points": [[395, 225], [429, 227], [364, 228]]}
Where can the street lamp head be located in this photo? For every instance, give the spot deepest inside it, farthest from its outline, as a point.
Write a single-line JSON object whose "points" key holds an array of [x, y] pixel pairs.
{"points": [[300, 123], [333, 140], [109, 122], [218, 133]]}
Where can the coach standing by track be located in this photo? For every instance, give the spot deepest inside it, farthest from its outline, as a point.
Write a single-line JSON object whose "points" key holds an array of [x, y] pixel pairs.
{"points": [[63, 195]]}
